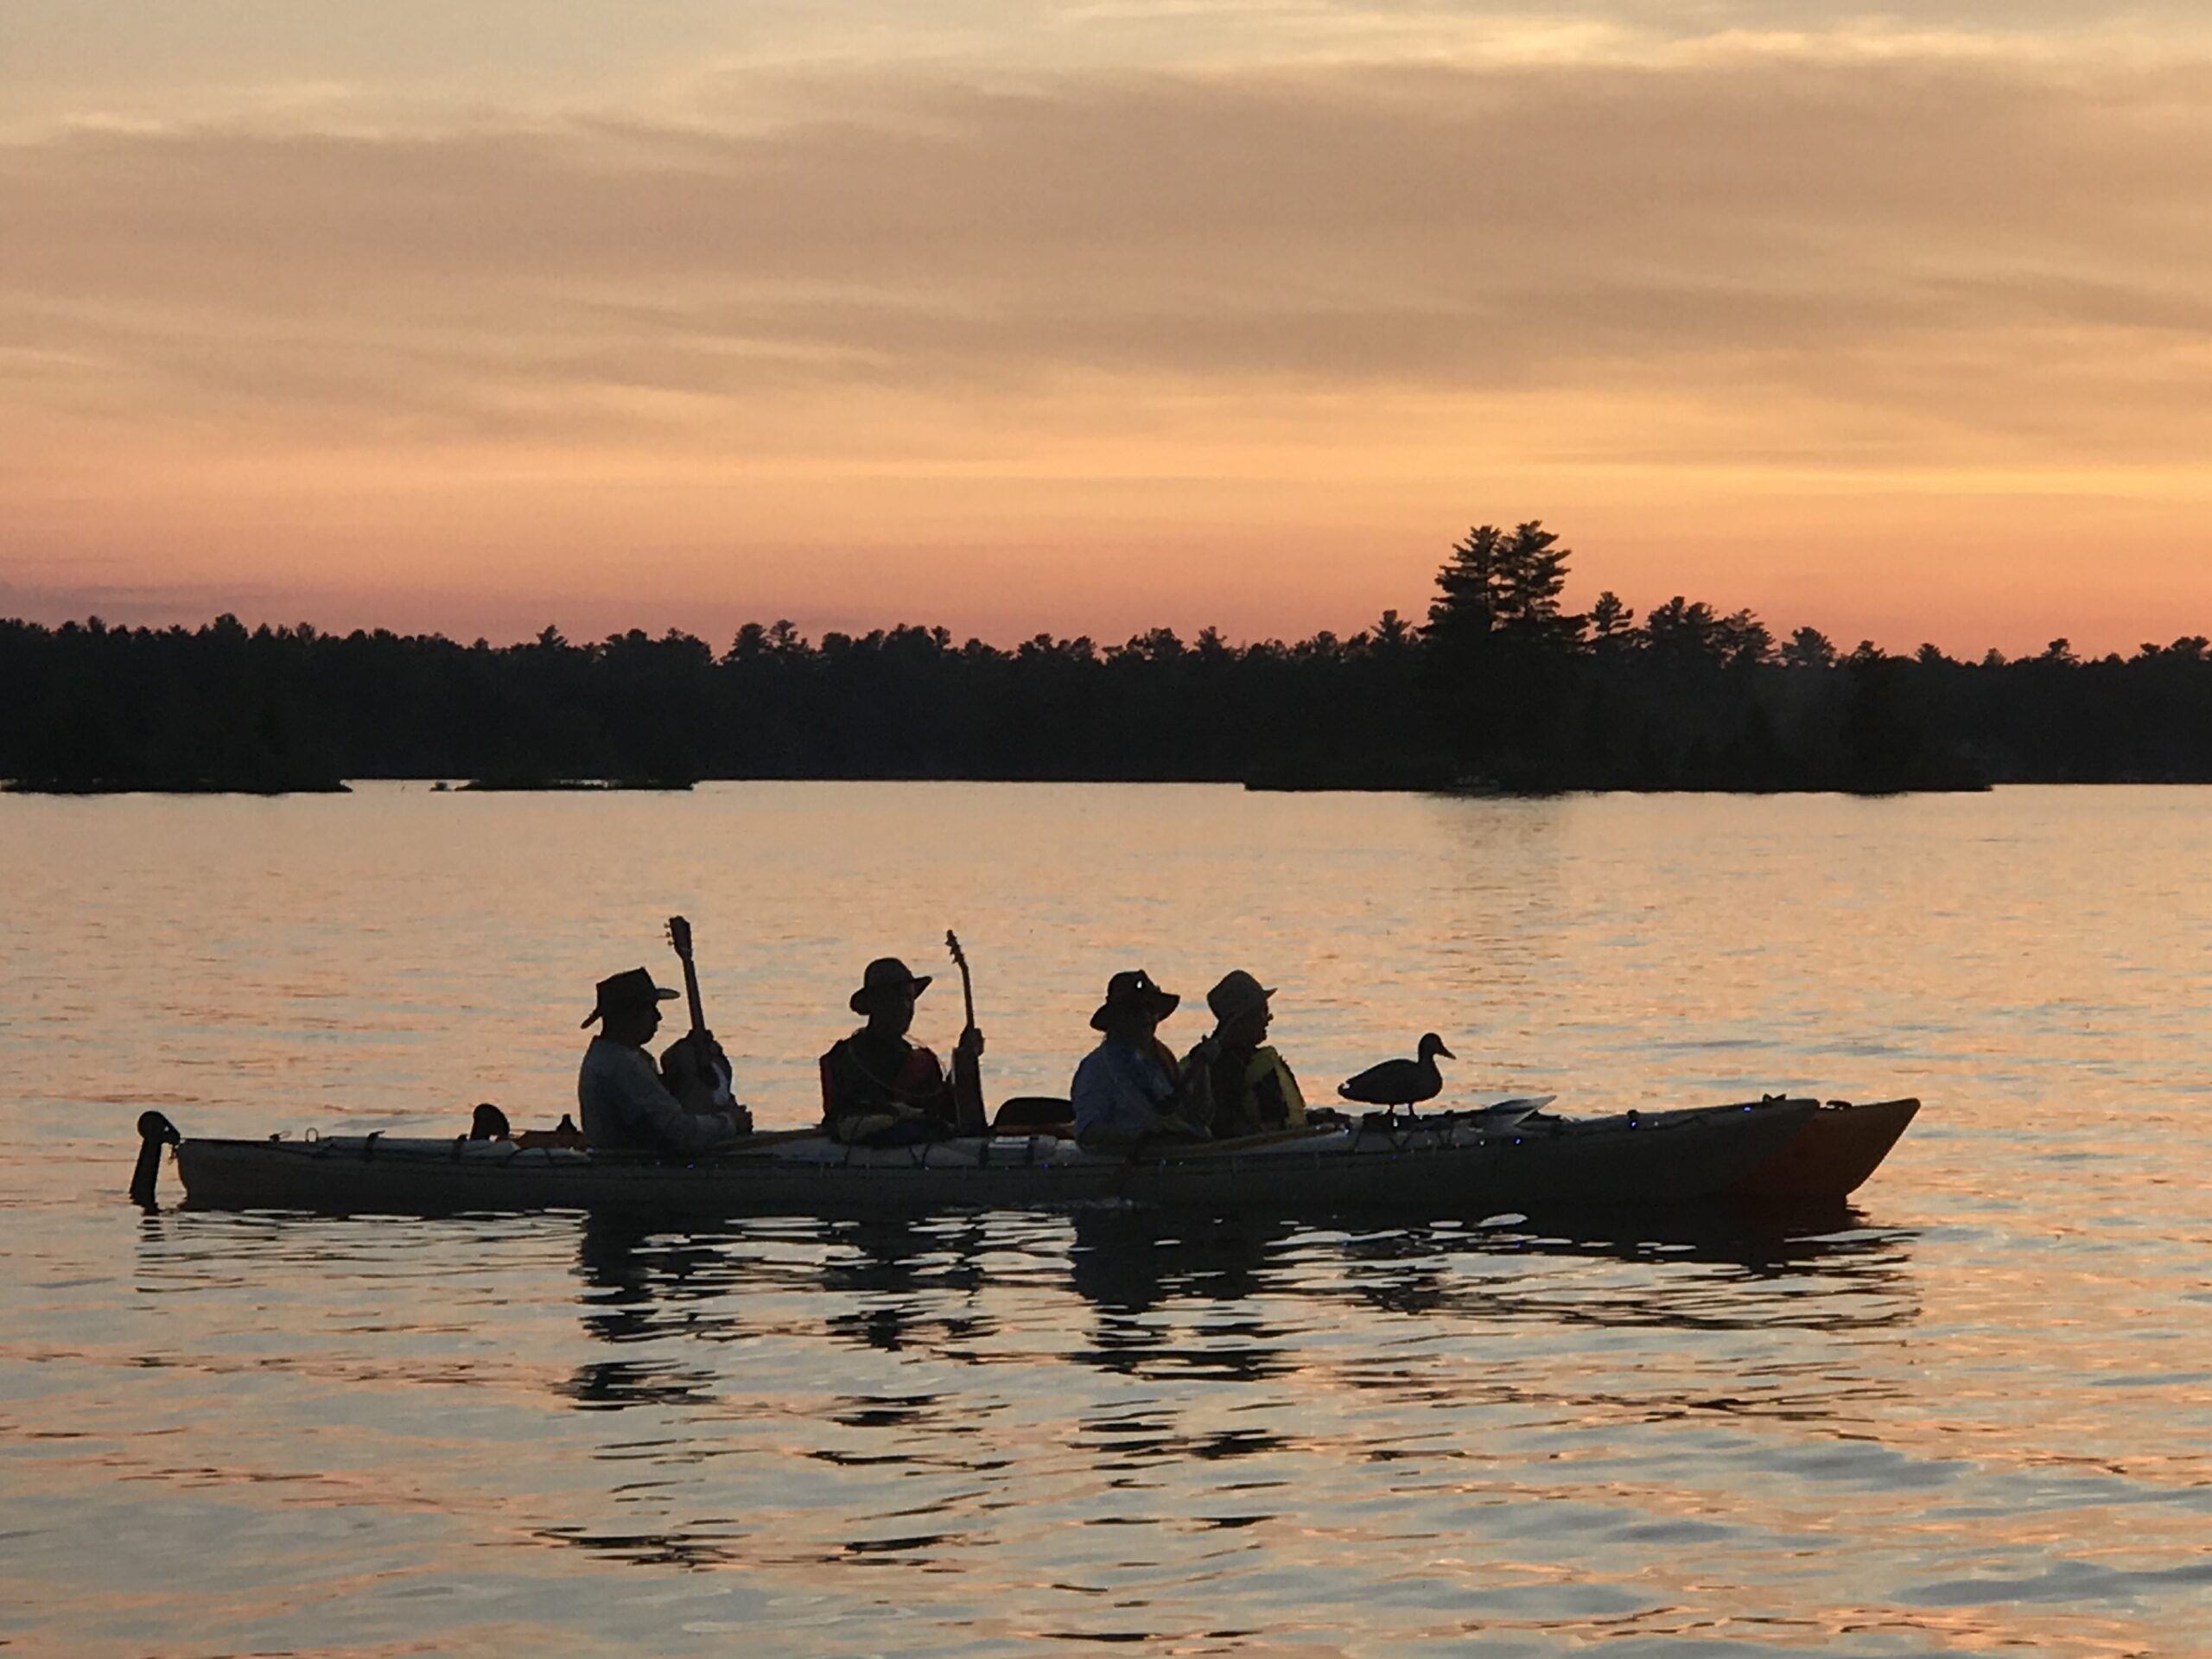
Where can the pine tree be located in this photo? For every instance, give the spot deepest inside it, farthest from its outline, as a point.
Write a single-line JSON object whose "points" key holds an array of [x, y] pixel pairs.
{"points": [[1498, 667]]}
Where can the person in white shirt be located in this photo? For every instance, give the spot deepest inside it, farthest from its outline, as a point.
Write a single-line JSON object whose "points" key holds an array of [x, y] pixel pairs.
{"points": [[625, 1104]]}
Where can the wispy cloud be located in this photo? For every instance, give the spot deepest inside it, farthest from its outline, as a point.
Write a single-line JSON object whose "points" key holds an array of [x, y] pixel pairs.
{"points": [[1956, 240]]}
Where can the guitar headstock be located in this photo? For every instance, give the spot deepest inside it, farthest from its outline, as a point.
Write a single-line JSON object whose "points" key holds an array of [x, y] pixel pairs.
{"points": [[679, 936], [952, 944]]}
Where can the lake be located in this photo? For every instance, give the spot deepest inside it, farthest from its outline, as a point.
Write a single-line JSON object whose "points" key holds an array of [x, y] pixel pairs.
{"points": [[1975, 1417]]}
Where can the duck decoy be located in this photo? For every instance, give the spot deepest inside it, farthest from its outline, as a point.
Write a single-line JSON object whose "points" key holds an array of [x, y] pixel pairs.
{"points": [[1400, 1083]]}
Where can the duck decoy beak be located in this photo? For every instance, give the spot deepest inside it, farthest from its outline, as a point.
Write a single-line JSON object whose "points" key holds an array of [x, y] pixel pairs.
{"points": [[1446, 1052]]}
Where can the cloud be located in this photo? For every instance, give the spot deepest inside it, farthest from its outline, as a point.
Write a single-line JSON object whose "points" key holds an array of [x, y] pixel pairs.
{"points": [[1860, 236]]}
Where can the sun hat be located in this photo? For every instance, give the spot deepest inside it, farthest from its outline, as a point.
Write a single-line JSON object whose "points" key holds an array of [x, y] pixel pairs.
{"points": [[1238, 993], [1133, 988], [627, 990], [884, 974]]}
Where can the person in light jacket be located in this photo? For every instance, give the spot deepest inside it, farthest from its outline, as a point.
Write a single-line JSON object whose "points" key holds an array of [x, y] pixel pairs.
{"points": [[625, 1104], [1128, 1089]]}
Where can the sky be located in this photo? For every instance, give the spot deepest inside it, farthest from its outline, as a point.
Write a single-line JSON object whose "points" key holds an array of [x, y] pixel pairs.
{"points": [[1091, 317]]}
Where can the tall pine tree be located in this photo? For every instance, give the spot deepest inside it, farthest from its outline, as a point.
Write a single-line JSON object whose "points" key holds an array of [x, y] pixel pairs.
{"points": [[1499, 667]]}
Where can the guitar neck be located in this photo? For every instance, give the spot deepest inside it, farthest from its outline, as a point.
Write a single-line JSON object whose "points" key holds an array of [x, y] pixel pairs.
{"points": [[967, 984], [966, 1071], [691, 995]]}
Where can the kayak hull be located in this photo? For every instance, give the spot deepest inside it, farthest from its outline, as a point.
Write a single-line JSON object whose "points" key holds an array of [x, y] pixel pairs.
{"points": [[1436, 1168]]}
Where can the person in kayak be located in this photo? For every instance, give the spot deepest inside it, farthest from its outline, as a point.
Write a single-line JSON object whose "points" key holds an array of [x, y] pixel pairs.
{"points": [[878, 1090], [1127, 1090], [625, 1104], [1247, 1087]]}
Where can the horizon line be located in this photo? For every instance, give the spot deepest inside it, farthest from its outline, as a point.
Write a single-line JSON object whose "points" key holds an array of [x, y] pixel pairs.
{"points": [[1414, 622]]}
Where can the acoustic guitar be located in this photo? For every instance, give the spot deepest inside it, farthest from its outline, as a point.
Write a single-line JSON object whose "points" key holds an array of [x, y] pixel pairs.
{"points": [[967, 1063], [694, 1066]]}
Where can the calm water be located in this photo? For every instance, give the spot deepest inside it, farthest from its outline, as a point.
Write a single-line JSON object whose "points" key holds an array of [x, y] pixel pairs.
{"points": [[1977, 1418]]}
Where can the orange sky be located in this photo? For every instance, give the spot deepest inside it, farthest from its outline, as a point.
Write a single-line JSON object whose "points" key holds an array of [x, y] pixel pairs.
{"points": [[1090, 317]]}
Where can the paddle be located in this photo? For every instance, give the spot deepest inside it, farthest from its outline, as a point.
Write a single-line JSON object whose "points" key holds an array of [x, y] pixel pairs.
{"points": [[966, 1061]]}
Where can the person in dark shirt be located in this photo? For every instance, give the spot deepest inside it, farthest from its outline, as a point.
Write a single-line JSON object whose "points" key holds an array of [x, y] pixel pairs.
{"points": [[1247, 1088], [878, 1089]]}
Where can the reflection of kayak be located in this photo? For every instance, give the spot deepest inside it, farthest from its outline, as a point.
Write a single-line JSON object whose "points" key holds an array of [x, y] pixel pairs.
{"points": [[1447, 1164], [1832, 1154]]}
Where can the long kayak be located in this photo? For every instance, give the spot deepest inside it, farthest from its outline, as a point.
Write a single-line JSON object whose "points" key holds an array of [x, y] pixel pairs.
{"points": [[1471, 1164]]}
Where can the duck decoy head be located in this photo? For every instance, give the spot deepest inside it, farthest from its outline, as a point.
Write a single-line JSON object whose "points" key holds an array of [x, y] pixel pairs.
{"points": [[1433, 1044]]}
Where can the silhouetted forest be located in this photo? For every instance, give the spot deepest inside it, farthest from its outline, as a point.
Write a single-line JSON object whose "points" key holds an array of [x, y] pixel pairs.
{"points": [[1501, 687]]}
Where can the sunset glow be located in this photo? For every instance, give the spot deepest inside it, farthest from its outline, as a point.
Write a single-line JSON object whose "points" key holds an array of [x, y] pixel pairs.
{"points": [[1086, 318]]}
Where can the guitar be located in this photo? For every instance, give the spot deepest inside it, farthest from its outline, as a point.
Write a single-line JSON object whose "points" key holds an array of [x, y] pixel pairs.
{"points": [[967, 1055], [696, 1071]]}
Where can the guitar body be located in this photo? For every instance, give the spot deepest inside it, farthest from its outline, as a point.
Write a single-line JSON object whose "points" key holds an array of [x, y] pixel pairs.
{"points": [[698, 1073]]}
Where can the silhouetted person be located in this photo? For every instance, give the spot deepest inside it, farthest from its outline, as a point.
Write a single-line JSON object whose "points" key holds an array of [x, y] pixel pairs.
{"points": [[1248, 1088], [878, 1089], [1128, 1088], [625, 1104]]}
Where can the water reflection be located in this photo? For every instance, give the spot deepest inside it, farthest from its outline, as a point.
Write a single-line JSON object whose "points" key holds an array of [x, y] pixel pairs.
{"points": [[1128, 1261], [1828, 1270], [902, 1274], [1183, 1306], [631, 1291], [1128, 1394], [898, 1285], [1126, 1264]]}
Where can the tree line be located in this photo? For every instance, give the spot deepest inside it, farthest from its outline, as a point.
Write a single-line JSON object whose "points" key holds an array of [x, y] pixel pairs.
{"points": [[1502, 687]]}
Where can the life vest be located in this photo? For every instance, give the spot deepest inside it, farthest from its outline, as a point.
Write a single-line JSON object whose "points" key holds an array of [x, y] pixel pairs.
{"points": [[1270, 1088]]}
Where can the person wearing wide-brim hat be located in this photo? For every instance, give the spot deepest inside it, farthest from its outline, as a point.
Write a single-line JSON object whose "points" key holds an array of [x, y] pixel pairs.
{"points": [[619, 1093], [1128, 1089], [1248, 1088], [878, 1089]]}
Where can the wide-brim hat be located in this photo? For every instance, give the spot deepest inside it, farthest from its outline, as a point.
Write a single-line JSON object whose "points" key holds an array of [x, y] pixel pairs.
{"points": [[1237, 992], [1133, 989], [627, 989], [885, 974]]}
